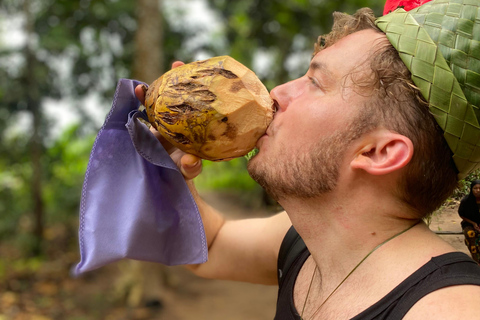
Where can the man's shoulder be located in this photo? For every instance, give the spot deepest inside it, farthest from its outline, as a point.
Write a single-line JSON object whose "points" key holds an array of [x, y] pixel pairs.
{"points": [[450, 291], [454, 302]]}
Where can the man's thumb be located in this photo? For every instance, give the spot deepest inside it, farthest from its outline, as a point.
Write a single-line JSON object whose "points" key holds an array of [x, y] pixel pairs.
{"points": [[190, 166]]}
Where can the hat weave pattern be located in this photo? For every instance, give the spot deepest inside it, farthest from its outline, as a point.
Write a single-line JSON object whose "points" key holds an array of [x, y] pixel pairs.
{"points": [[439, 42]]}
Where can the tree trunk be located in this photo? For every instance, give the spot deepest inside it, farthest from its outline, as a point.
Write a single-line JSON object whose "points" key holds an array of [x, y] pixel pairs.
{"points": [[33, 105], [140, 283], [148, 62]]}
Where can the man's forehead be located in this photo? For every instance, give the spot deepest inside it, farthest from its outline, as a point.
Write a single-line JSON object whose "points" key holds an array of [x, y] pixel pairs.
{"points": [[361, 38], [319, 66], [347, 52]]}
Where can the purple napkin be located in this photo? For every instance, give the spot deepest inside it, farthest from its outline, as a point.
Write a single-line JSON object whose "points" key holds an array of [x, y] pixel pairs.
{"points": [[135, 203]]}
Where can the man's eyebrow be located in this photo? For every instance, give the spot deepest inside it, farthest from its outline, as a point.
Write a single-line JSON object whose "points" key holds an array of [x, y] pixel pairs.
{"points": [[319, 66]]}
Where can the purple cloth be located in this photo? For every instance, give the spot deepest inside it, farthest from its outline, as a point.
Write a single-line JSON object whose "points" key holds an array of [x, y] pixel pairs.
{"points": [[135, 203]]}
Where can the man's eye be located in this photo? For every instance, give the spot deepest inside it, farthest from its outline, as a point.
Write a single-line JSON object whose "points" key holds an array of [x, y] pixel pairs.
{"points": [[314, 82]]}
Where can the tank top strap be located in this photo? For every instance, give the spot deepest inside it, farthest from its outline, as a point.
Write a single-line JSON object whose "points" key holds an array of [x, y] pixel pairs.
{"points": [[292, 246]]}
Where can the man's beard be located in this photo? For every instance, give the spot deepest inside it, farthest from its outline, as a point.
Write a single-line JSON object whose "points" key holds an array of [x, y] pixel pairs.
{"points": [[307, 175]]}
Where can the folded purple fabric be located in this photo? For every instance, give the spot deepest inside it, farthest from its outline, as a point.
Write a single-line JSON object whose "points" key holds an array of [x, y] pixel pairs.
{"points": [[135, 203]]}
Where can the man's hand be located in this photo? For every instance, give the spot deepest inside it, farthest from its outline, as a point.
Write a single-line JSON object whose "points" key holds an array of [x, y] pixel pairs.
{"points": [[189, 165]]}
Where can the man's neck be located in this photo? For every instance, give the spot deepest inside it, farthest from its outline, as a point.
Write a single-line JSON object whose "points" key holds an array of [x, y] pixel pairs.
{"points": [[335, 226]]}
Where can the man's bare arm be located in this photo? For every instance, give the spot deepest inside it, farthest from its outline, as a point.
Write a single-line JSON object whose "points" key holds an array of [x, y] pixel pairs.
{"points": [[242, 250], [456, 302]]}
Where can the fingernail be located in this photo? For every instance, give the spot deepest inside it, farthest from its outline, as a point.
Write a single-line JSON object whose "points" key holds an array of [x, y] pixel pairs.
{"points": [[191, 165]]}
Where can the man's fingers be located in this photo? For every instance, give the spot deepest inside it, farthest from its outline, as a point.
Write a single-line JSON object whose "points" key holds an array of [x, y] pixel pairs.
{"points": [[141, 89], [140, 92], [190, 166], [177, 64]]}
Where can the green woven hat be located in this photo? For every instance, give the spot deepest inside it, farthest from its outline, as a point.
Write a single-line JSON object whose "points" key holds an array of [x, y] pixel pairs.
{"points": [[439, 42]]}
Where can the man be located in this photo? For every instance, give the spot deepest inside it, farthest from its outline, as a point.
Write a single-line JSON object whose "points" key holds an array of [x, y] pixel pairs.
{"points": [[356, 159]]}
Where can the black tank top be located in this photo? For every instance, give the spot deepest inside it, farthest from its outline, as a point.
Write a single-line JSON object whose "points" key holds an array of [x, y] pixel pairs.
{"points": [[455, 268]]}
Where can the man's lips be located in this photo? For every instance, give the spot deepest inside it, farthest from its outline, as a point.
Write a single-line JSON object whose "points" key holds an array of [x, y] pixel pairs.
{"points": [[269, 131]]}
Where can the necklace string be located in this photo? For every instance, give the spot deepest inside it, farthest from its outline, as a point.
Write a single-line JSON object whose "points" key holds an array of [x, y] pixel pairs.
{"points": [[348, 275]]}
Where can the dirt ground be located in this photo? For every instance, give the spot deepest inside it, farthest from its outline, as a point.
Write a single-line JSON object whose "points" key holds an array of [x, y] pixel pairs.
{"points": [[446, 223], [196, 298]]}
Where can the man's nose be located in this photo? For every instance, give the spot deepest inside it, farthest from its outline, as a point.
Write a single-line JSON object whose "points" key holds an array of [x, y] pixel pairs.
{"points": [[285, 93]]}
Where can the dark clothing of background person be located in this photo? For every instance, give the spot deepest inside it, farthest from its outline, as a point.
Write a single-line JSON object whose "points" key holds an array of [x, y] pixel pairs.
{"points": [[469, 209]]}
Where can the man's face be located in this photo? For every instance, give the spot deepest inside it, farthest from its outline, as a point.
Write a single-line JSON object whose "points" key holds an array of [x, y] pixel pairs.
{"points": [[305, 145]]}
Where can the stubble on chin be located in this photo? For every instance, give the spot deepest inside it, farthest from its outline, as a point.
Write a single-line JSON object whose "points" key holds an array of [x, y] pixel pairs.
{"points": [[299, 175]]}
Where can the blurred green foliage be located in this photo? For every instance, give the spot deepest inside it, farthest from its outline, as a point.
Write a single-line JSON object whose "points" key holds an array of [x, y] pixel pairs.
{"points": [[79, 47], [226, 175], [68, 157], [64, 165], [282, 30], [87, 45]]}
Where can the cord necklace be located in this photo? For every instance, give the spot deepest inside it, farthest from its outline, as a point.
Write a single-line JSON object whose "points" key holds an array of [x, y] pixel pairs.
{"points": [[348, 275]]}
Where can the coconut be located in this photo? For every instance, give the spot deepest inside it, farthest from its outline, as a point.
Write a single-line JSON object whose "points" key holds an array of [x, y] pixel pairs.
{"points": [[215, 109]]}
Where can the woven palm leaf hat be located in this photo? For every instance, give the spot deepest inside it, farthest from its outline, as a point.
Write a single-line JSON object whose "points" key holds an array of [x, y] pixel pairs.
{"points": [[439, 42]]}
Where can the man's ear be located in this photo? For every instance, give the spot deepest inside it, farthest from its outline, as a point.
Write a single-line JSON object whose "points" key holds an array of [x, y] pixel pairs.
{"points": [[383, 152]]}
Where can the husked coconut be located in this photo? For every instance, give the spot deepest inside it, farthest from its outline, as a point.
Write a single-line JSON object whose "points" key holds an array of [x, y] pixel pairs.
{"points": [[216, 109]]}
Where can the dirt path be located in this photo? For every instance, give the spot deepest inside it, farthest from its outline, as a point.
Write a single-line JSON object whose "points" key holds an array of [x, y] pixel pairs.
{"points": [[446, 223]]}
